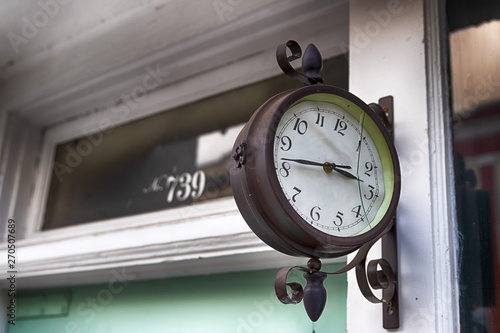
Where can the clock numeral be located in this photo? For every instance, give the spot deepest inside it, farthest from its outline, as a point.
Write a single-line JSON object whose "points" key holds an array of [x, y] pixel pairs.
{"points": [[338, 219], [286, 142], [300, 126], [357, 210], [340, 126], [315, 213], [369, 168], [371, 194], [285, 169], [359, 145], [298, 190], [320, 120]]}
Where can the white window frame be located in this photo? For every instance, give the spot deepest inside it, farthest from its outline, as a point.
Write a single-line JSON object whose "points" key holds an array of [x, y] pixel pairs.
{"points": [[198, 239]]}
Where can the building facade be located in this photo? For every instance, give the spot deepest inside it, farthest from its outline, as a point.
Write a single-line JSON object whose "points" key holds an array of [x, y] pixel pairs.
{"points": [[116, 126]]}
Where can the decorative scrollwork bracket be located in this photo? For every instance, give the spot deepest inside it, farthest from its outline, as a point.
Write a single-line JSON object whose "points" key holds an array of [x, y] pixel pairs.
{"points": [[379, 274]]}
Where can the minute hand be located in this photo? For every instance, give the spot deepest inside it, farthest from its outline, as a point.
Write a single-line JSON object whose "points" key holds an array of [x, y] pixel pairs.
{"points": [[332, 166]]}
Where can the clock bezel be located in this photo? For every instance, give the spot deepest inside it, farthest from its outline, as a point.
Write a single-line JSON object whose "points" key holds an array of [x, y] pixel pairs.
{"points": [[262, 201]]}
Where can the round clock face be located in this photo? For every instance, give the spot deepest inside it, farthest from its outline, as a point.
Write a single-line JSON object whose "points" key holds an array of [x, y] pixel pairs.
{"points": [[333, 166]]}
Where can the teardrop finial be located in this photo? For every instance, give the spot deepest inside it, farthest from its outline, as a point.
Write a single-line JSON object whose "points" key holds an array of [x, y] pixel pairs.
{"points": [[314, 294], [312, 63]]}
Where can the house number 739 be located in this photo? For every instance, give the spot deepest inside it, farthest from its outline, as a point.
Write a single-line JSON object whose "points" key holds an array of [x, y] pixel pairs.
{"points": [[179, 187]]}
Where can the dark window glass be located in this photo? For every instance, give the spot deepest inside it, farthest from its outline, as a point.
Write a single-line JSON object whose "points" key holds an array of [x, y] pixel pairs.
{"points": [[475, 77], [175, 158]]}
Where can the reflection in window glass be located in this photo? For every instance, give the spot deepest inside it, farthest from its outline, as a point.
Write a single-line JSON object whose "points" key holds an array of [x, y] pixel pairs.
{"points": [[475, 71], [165, 161], [175, 158]]}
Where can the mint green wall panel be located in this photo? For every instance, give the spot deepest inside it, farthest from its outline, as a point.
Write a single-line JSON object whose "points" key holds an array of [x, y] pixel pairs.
{"points": [[233, 303]]}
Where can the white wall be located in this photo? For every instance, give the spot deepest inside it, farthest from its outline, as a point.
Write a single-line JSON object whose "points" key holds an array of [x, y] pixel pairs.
{"points": [[388, 57]]}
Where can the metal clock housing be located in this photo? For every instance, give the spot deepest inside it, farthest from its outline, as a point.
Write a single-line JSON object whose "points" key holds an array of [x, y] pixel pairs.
{"points": [[349, 209]]}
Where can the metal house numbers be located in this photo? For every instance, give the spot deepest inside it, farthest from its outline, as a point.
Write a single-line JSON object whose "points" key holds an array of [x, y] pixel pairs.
{"points": [[315, 174]]}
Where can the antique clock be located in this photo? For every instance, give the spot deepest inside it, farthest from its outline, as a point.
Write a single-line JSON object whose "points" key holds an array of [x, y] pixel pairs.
{"points": [[315, 172]]}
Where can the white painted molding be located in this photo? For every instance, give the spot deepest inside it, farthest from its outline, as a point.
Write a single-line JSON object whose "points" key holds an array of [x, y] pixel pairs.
{"points": [[209, 238], [225, 43], [445, 238]]}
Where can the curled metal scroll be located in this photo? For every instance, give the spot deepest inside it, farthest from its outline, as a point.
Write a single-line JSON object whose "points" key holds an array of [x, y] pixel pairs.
{"points": [[311, 62], [280, 286], [368, 276]]}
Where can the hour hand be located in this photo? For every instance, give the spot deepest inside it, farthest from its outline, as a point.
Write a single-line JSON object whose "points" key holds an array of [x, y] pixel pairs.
{"points": [[345, 173]]}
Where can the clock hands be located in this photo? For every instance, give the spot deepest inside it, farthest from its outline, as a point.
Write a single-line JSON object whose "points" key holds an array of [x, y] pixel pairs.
{"points": [[327, 166]]}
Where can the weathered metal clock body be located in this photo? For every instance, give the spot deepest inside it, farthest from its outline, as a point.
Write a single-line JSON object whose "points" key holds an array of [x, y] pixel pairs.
{"points": [[315, 172]]}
